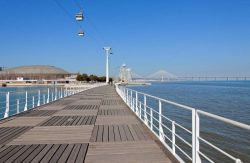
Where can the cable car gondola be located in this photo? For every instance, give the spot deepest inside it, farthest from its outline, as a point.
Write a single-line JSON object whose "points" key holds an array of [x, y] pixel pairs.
{"points": [[81, 33], [79, 16]]}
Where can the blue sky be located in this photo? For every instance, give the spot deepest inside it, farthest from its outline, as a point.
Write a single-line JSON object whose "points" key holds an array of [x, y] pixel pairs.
{"points": [[184, 37]]}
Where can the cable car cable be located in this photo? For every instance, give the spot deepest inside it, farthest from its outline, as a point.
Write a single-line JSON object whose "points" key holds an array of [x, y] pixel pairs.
{"points": [[67, 13], [78, 5]]}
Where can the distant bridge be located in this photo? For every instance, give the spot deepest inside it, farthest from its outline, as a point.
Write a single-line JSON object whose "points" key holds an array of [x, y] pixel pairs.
{"points": [[166, 76], [196, 79]]}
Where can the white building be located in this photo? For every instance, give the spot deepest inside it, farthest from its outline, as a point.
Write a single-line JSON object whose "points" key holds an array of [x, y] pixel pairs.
{"points": [[125, 74]]}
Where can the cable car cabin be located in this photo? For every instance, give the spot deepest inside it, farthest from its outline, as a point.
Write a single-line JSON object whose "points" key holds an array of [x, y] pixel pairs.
{"points": [[79, 16], [81, 34]]}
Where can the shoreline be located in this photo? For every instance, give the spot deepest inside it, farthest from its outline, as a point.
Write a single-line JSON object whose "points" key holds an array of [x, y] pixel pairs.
{"points": [[29, 85]]}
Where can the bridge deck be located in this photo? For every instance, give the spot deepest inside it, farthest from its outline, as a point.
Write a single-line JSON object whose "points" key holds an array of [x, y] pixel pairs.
{"points": [[92, 126]]}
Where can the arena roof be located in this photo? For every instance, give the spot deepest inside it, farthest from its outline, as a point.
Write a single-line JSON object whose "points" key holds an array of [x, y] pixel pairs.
{"points": [[34, 69]]}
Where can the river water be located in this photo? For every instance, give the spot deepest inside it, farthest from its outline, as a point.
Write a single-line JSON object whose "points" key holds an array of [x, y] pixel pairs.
{"points": [[230, 99]]}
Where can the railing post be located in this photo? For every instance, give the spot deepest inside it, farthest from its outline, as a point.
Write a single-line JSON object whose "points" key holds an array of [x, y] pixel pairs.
{"points": [[173, 137], [17, 106], [26, 101], [127, 100], [61, 92], [136, 103], [145, 110], [131, 98], [39, 98], [43, 99], [133, 105], [48, 96], [7, 109], [33, 101], [195, 137], [140, 109], [55, 94], [151, 119], [161, 135], [52, 96]]}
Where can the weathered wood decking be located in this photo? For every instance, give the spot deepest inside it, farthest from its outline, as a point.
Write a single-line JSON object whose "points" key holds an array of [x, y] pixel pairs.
{"points": [[92, 126]]}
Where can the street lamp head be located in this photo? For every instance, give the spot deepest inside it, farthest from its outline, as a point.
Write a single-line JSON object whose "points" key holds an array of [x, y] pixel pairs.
{"points": [[107, 48]]}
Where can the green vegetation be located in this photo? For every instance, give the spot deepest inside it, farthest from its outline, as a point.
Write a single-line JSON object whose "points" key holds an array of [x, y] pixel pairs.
{"points": [[92, 78]]}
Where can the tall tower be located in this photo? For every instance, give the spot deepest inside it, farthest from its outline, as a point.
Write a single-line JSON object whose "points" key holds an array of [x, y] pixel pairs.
{"points": [[108, 52]]}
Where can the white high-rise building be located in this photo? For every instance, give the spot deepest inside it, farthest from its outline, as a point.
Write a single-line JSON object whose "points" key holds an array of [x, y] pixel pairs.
{"points": [[125, 74]]}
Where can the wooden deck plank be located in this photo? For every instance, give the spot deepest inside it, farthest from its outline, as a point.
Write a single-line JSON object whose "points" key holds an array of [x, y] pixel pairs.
{"points": [[13, 134], [50, 154], [24, 121], [94, 134], [122, 133], [111, 133], [117, 133], [42, 153], [58, 153], [34, 153], [18, 154], [114, 120], [128, 133], [66, 154], [139, 152], [74, 153], [26, 154], [81, 120], [55, 135], [105, 133], [82, 153], [100, 133], [8, 153]]}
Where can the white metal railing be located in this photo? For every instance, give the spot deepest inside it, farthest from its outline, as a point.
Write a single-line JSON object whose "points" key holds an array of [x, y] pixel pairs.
{"points": [[27, 100], [146, 114]]}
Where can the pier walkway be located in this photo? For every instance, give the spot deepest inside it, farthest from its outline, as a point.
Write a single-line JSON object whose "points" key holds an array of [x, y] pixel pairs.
{"points": [[91, 126]]}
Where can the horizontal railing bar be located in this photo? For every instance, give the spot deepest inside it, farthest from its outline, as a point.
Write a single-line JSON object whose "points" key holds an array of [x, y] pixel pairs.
{"points": [[166, 127], [167, 118], [183, 140], [168, 138], [218, 149], [203, 155], [183, 152], [163, 100], [183, 128], [226, 120]]}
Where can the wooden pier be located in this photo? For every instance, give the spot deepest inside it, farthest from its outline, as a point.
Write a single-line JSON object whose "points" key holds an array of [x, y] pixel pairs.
{"points": [[91, 126]]}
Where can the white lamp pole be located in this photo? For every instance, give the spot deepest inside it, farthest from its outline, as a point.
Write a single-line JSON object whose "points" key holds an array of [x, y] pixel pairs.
{"points": [[108, 52]]}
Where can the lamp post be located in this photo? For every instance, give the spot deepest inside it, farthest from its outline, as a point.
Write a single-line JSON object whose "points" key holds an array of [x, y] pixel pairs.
{"points": [[108, 52]]}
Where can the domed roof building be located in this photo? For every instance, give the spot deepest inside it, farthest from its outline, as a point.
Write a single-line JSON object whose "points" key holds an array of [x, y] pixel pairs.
{"points": [[35, 72]]}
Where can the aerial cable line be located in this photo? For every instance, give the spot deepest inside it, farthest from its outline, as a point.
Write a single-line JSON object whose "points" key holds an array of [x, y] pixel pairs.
{"points": [[78, 5], [67, 13], [71, 17], [91, 24], [80, 33], [99, 38]]}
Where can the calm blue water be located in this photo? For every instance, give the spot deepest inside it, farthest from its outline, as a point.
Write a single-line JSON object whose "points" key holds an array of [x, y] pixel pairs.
{"points": [[230, 99], [19, 93]]}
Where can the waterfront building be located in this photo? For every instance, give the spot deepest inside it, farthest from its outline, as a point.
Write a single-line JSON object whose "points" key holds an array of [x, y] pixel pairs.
{"points": [[35, 74]]}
